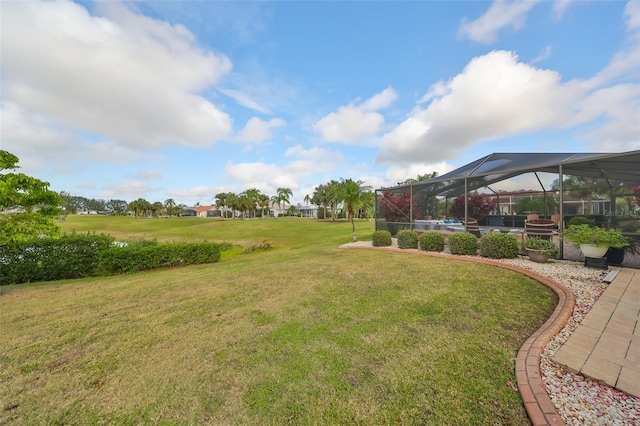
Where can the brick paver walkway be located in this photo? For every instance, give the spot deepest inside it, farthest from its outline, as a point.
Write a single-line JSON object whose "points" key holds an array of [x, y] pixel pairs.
{"points": [[606, 344]]}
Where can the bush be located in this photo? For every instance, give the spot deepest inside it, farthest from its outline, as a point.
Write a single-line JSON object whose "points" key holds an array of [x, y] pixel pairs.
{"points": [[381, 238], [46, 259], [463, 243], [407, 239], [431, 241], [263, 245], [582, 220], [145, 256], [498, 246], [539, 244]]}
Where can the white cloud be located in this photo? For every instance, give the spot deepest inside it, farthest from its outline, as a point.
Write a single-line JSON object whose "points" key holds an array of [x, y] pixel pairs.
{"points": [[496, 96], [561, 6], [380, 101], [315, 153], [148, 174], [545, 54], [632, 15], [397, 174], [501, 14], [127, 77], [126, 191], [269, 177], [199, 194], [352, 123], [257, 130]]}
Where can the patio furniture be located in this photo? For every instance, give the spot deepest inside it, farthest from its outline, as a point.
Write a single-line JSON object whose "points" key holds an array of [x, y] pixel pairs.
{"points": [[472, 226], [539, 228]]}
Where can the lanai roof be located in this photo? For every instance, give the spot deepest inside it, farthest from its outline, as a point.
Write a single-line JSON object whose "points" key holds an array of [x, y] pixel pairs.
{"points": [[619, 169]]}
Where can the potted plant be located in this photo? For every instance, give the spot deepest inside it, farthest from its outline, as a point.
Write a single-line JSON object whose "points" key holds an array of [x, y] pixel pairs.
{"points": [[595, 241], [539, 250]]}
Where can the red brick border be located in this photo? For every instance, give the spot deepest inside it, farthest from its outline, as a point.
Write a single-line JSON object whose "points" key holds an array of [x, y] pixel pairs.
{"points": [[540, 409]]}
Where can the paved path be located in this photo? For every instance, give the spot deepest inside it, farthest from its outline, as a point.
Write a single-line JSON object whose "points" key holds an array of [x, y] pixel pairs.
{"points": [[606, 344]]}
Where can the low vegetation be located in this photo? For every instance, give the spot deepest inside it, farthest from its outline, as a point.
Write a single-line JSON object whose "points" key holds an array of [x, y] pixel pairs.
{"points": [[499, 246], [407, 239], [381, 238], [463, 243], [301, 333], [431, 241]]}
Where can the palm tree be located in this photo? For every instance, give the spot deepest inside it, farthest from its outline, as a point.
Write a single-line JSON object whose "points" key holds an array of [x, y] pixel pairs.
{"points": [[321, 198], [581, 186], [263, 202], [284, 195], [156, 208], [170, 206], [222, 201], [253, 196], [334, 195], [233, 203], [352, 195]]}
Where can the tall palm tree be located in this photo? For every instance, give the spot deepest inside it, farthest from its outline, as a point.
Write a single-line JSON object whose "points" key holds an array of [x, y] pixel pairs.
{"points": [[170, 206], [222, 202], [263, 202], [284, 195], [321, 198], [334, 194], [352, 195]]}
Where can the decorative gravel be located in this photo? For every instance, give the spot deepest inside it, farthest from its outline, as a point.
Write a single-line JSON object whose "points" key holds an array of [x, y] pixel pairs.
{"points": [[578, 399]]}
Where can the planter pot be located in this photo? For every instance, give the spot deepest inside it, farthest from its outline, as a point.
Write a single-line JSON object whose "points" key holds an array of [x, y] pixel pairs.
{"points": [[538, 256], [615, 256], [589, 250]]}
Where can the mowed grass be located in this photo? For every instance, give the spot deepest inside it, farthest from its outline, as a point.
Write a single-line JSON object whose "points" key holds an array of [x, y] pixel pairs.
{"points": [[303, 333]]}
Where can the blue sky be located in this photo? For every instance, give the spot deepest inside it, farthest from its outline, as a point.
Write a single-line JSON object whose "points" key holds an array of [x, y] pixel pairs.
{"points": [[183, 100]]}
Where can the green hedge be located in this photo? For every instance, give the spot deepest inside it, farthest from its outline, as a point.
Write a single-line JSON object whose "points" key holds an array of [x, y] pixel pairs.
{"points": [[46, 259], [431, 241], [142, 257], [77, 256], [499, 246], [407, 239], [381, 238], [463, 243]]}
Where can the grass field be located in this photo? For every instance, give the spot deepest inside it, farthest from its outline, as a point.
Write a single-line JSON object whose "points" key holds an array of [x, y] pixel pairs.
{"points": [[302, 333]]}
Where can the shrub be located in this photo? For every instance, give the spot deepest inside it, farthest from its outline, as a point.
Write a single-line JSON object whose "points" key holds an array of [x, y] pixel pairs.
{"points": [[431, 241], [46, 259], [145, 256], [407, 239], [582, 220], [381, 238], [463, 243], [263, 245], [539, 244], [498, 246]]}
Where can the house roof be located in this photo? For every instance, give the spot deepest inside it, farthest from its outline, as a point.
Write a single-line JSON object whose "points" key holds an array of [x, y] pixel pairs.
{"points": [[618, 169], [204, 208]]}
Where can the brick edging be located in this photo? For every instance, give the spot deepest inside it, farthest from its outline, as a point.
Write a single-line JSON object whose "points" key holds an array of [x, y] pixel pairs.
{"points": [[537, 403]]}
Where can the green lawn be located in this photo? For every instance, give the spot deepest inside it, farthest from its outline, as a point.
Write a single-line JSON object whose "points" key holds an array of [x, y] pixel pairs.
{"points": [[303, 333]]}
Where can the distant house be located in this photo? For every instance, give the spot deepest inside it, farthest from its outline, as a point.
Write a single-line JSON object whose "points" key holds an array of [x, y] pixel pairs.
{"points": [[307, 211], [206, 211]]}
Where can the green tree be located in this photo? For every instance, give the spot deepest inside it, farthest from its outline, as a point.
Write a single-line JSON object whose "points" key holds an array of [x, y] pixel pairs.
{"points": [[27, 206], [284, 196], [334, 194], [583, 187], [140, 207], [321, 198], [263, 202], [222, 202], [353, 197]]}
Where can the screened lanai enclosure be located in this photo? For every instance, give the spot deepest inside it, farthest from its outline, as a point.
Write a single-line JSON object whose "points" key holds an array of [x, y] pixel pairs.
{"points": [[603, 188]]}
